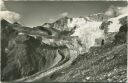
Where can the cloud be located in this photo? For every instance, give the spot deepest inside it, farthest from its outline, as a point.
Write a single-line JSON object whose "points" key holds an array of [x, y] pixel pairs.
{"points": [[111, 11], [2, 6], [123, 10], [64, 14], [8, 15], [114, 11]]}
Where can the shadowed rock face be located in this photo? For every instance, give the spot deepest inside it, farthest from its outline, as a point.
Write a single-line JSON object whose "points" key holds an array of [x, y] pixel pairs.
{"points": [[19, 53], [121, 36], [6, 35]]}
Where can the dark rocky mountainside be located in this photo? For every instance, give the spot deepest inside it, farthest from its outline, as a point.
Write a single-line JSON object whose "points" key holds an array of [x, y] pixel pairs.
{"points": [[50, 53], [26, 51]]}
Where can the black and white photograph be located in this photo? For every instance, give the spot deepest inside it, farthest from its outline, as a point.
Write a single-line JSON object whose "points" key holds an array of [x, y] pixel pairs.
{"points": [[63, 41]]}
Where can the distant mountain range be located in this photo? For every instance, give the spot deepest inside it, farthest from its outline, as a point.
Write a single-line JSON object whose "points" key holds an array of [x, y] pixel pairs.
{"points": [[30, 54]]}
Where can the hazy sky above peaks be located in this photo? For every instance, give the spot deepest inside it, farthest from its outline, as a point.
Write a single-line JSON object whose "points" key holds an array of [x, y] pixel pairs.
{"points": [[35, 13]]}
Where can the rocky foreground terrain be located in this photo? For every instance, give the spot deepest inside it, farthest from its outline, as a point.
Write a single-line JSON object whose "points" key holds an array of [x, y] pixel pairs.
{"points": [[56, 51]]}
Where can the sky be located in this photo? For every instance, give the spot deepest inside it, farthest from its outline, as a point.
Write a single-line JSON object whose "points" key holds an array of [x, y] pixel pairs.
{"points": [[35, 13]]}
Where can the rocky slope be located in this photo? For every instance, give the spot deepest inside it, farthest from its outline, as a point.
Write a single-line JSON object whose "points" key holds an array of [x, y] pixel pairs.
{"points": [[95, 50]]}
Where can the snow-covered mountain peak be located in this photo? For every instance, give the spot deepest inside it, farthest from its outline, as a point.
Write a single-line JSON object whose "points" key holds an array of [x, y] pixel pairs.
{"points": [[113, 24]]}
